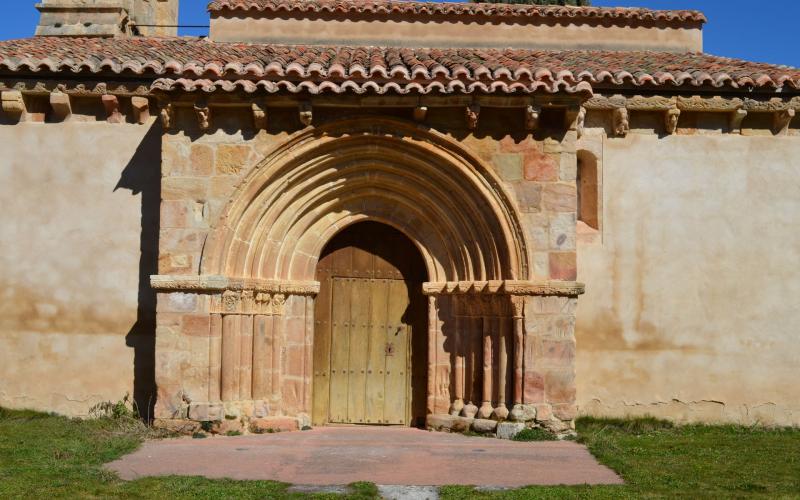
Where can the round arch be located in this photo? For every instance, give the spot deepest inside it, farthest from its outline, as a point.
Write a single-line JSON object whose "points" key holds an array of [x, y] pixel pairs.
{"points": [[323, 179]]}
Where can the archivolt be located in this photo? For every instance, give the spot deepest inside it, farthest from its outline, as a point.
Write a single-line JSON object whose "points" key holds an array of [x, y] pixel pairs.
{"points": [[325, 178]]}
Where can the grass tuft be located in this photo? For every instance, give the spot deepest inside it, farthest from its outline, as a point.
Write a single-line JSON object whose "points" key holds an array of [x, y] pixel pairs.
{"points": [[536, 434]]}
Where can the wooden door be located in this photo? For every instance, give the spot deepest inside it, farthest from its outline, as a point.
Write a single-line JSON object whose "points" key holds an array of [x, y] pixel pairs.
{"points": [[365, 322], [369, 351]]}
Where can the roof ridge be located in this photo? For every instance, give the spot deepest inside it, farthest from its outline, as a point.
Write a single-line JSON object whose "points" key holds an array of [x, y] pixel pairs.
{"points": [[406, 7]]}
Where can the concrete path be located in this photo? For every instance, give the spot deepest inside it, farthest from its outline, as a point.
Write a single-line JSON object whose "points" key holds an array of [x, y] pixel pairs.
{"points": [[385, 456]]}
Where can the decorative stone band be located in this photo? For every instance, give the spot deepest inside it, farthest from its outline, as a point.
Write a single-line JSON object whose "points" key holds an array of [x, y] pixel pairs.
{"points": [[783, 110], [506, 287], [216, 284]]}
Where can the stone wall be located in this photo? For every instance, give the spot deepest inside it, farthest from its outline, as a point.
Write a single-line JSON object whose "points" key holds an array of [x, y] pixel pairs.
{"points": [[77, 244], [690, 312]]}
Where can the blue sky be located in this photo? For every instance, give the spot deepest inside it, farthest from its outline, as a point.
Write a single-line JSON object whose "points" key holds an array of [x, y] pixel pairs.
{"points": [[763, 31]]}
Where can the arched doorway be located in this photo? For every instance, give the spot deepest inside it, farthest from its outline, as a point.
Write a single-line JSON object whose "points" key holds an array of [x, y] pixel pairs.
{"points": [[370, 350]]}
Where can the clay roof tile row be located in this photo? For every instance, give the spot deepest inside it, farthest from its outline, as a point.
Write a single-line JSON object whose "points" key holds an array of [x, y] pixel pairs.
{"points": [[497, 10], [198, 64]]}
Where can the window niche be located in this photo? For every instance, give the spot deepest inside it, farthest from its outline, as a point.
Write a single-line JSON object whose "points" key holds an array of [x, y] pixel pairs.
{"points": [[589, 198]]}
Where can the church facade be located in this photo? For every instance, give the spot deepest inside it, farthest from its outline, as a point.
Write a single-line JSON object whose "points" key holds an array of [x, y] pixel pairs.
{"points": [[396, 213]]}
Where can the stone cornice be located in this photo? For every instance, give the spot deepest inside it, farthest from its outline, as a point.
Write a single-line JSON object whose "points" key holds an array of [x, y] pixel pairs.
{"points": [[507, 287], [219, 284]]}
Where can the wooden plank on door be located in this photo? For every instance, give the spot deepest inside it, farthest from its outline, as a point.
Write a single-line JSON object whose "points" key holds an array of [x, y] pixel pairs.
{"points": [[340, 349], [359, 334], [322, 354], [376, 365], [397, 338]]}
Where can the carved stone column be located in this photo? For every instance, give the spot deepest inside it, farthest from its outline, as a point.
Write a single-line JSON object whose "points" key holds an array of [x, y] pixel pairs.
{"points": [[486, 409], [432, 320], [501, 412], [458, 348], [517, 306]]}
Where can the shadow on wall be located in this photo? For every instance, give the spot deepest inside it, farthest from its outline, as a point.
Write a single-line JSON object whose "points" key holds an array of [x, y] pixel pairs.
{"points": [[142, 175]]}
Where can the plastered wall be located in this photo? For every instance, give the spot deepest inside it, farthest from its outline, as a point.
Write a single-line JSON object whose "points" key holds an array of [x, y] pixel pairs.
{"points": [[691, 306], [80, 202]]}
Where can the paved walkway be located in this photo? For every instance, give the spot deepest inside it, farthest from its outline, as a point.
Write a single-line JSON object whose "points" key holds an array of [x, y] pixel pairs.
{"points": [[385, 456]]}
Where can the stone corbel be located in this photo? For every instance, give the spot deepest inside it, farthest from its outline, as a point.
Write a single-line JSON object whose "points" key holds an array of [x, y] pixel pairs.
{"points": [[621, 122], [532, 114], [113, 114], [167, 115], [576, 119], [61, 106], [472, 112], [13, 103], [259, 115], [420, 113], [671, 118], [737, 117], [781, 121], [141, 109], [203, 113], [306, 113]]}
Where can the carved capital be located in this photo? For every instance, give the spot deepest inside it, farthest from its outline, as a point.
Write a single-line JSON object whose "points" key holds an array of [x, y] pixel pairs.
{"points": [[113, 114], [263, 303], [671, 120], [518, 306], [203, 113], [472, 112], [141, 109], [230, 302], [278, 303]]}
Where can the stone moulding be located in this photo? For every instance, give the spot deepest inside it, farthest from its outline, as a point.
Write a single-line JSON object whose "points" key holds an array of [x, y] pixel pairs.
{"points": [[782, 109], [217, 284], [506, 287]]}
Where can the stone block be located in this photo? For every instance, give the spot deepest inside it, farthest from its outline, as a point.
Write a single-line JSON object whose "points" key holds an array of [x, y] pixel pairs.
{"points": [[179, 302], [260, 409], [201, 160], [507, 430], [205, 412], [544, 412], [540, 167], [231, 158], [529, 196], [178, 426], [559, 386], [184, 188], [196, 325], [565, 412], [508, 166], [448, 423], [483, 425], [563, 266], [533, 387], [562, 231], [560, 197], [273, 424], [228, 426]]}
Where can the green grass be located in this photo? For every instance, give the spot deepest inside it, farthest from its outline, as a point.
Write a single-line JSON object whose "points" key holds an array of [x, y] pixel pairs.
{"points": [[45, 456], [659, 460]]}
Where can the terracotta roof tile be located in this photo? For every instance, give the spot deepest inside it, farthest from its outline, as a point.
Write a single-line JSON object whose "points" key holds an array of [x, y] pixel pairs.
{"points": [[193, 64], [396, 7]]}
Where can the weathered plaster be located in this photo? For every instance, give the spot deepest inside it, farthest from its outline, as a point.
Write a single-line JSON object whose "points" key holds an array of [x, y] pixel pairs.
{"points": [[690, 306], [70, 262]]}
